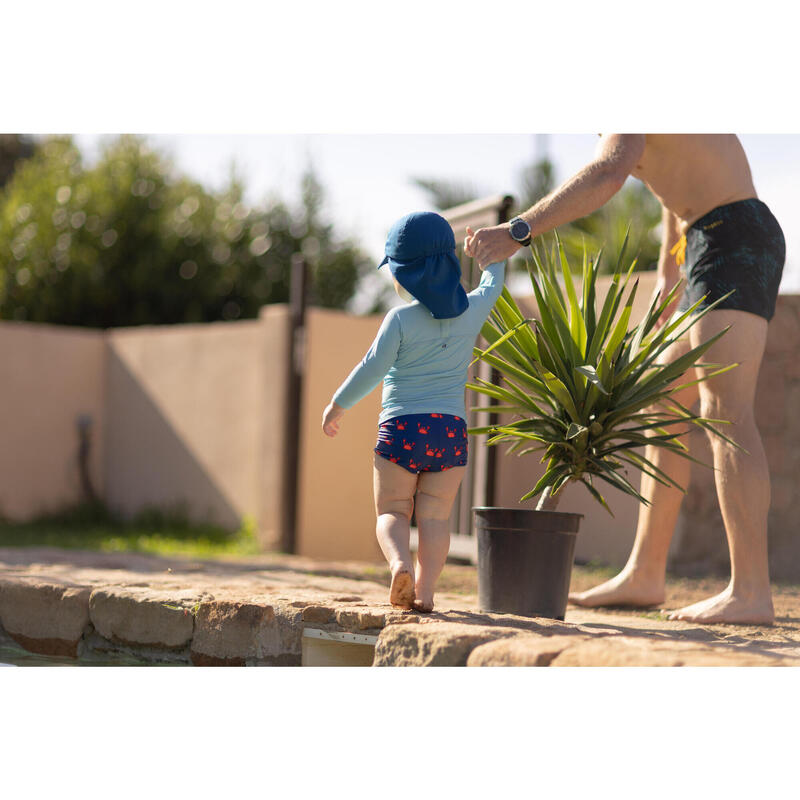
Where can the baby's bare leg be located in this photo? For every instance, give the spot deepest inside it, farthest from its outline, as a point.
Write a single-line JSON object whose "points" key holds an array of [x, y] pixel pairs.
{"points": [[394, 503], [435, 494]]}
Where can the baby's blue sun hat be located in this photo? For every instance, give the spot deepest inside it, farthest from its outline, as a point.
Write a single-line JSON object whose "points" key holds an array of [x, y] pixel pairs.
{"points": [[421, 253]]}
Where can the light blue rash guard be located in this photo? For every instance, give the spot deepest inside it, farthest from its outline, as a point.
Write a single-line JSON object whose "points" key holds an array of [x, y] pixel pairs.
{"points": [[423, 361]]}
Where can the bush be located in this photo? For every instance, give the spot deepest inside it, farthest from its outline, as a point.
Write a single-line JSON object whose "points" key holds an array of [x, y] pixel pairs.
{"points": [[130, 241]]}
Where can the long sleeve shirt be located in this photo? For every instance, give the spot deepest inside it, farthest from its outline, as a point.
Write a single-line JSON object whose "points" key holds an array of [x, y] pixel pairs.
{"points": [[423, 361]]}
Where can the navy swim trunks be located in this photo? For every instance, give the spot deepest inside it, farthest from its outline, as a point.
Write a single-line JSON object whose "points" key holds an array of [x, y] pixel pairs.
{"points": [[738, 246], [424, 442]]}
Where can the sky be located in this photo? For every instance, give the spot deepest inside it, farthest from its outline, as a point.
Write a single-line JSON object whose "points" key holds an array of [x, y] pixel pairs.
{"points": [[367, 178]]}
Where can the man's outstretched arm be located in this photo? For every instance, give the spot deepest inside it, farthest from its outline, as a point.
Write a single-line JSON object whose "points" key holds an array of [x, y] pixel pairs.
{"points": [[593, 186]]}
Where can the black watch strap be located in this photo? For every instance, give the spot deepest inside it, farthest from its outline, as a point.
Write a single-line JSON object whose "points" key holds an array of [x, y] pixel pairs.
{"points": [[521, 225]]}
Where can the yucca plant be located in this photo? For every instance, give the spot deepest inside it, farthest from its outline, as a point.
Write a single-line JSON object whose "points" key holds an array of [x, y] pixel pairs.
{"points": [[584, 387]]}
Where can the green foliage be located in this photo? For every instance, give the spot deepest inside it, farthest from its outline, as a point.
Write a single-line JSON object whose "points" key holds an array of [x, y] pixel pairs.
{"points": [[585, 388], [446, 194], [14, 147], [131, 241], [633, 211], [157, 531], [536, 181]]}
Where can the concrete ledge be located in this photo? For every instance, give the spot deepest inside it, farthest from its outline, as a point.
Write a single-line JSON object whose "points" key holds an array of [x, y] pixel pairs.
{"points": [[44, 615], [290, 612]]}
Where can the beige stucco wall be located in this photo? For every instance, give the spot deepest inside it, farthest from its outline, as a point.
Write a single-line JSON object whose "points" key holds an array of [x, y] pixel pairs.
{"points": [[185, 414], [336, 517], [50, 375], [700, 545], [195, 414]]}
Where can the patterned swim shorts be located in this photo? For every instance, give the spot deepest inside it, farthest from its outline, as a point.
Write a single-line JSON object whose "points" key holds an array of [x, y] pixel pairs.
{"points": [[424, 442], [737, 247]]}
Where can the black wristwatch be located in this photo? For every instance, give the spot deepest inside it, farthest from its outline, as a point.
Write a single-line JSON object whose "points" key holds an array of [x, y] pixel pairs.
{"points": [[520, 231]]}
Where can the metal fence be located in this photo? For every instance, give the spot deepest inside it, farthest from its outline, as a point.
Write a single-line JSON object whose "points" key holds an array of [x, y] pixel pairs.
{"points": [[477, 488]]}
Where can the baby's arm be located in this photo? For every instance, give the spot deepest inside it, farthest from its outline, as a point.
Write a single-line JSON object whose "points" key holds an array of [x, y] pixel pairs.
{"points": [[485, 295], [367, 374]]}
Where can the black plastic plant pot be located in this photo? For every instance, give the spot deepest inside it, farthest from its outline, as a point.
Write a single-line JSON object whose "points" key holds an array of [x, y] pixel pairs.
{"points": [[525, 560]]}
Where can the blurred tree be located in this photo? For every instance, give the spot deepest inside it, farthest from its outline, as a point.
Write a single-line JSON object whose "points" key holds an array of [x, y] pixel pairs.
{"points": [[634, 205], [130, 241], [535, 182], [14, 147], [446, 194]]}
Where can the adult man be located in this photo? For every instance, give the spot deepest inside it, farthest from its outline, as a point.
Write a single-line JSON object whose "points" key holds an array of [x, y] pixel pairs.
{"points": [[730, 240]]}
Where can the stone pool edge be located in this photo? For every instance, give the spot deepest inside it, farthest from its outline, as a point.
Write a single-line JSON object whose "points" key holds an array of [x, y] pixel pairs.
{"points": [[52, 616]]}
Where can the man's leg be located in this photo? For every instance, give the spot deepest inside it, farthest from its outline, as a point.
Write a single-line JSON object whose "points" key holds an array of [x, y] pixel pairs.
{"points": [[641, 581], [742, 478], [394, 503], [435, 494]]}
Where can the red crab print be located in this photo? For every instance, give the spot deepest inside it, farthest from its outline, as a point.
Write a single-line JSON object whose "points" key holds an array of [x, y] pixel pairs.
{"points": [[429, 451], [401, 426], [408, 445], [387, 440], [393, 459], [451, 434], [439, 453], [412, 464], [422, 428], [458, 451], [436, 416]]}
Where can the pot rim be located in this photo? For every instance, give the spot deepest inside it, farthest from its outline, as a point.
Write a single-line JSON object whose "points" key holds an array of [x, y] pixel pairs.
{"points": [[526, 520]]}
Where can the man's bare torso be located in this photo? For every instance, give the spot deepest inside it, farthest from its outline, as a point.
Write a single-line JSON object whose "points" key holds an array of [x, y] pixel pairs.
{"points": [[693, 173]]}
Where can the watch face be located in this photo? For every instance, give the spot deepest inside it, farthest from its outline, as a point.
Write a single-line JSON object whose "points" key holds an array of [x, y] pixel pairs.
{"points": [[520, 230]]}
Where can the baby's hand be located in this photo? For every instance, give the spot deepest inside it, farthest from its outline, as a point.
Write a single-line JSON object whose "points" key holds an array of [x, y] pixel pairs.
{"points": [[468, 241], [330, 419]]}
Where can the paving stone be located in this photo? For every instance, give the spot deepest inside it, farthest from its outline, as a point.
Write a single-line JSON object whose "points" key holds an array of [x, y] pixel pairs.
{"points": [[440, 644], [58, 602], [135, 615], [44, 616], [321, 614], [521, 651], [360, 619], [631, 651]]}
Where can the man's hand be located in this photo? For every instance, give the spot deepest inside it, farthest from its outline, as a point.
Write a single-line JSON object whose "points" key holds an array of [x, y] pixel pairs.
{"points": [[490, 245], [330, 419]]}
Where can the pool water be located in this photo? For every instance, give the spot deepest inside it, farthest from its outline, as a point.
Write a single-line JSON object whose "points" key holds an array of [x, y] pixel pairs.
{"points": [[12, 655], [22, 658]]}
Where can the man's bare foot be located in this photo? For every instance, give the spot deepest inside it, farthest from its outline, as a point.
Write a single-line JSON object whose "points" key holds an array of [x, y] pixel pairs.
{"points": [[401, 593], [727, 607], [621, 590]]}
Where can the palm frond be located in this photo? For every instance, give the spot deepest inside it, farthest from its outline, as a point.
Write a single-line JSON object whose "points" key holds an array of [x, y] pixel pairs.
{"points": [[585, 384]]}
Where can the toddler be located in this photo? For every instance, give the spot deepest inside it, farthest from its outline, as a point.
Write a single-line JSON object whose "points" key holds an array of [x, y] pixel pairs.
{"points": [[421, 353]]}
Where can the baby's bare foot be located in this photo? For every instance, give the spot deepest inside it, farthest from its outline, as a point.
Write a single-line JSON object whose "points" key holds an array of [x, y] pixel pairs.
{"points": [[401, 593], [422, 607]]}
